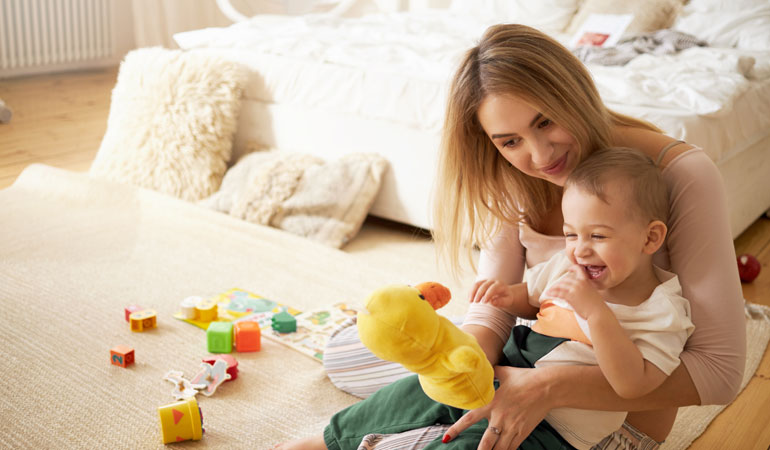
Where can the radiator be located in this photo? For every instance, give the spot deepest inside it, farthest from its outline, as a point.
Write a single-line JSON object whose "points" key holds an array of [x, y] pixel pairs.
{"points": [[49, 35]]}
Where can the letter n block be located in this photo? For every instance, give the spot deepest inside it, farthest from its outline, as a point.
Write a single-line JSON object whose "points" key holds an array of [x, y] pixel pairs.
{"points": [[248, 337], [219, 337], [122, 355]]}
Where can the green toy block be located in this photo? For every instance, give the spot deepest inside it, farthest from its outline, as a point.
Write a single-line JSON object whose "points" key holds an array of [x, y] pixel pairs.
{"points": [[219, 337], [284, 322]]}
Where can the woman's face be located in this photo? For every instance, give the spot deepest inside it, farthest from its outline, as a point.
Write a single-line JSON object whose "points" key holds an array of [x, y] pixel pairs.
{"points": [[529, 141]]}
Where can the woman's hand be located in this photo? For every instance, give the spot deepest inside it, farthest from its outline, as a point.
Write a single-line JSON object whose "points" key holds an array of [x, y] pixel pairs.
{"points": [[518, 407]]}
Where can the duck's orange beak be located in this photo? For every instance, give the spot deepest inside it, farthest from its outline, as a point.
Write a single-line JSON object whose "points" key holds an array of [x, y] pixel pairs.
{"points": [[436, 294]]}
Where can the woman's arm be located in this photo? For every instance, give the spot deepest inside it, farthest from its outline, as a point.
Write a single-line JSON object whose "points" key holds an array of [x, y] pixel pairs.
{"points": [[595, 392], [501, 259], [701, 252]]}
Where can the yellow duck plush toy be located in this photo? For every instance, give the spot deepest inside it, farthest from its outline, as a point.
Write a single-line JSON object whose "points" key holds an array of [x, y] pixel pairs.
{"points": [[399, 323]]}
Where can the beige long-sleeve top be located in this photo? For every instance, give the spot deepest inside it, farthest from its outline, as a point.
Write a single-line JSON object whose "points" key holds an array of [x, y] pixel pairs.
{"points": [[699, 249]]}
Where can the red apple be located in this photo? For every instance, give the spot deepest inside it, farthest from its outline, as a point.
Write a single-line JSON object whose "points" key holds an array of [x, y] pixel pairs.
{"points": [[748, 267]]}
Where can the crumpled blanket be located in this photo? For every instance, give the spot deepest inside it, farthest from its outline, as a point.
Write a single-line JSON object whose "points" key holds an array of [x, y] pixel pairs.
{"points": [[660, 42]]}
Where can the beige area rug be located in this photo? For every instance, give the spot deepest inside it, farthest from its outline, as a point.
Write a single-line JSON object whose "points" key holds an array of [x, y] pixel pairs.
{"points": [[75, 251]]}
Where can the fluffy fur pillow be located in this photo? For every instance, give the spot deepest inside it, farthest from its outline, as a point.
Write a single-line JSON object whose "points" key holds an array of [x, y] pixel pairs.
{"points": [[302, 194], [649, 15], [171, 122]]}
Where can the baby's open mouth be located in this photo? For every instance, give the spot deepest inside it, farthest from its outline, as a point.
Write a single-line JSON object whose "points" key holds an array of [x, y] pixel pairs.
{"points": [[594, 272]]}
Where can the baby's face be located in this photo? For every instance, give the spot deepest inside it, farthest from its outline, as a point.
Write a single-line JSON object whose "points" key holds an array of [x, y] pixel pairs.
{"points": [[605, 238]]}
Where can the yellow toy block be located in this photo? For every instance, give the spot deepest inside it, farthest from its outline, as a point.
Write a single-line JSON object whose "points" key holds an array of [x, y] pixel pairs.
{"points": [[181, 421], [143, 320], [207, 310]]}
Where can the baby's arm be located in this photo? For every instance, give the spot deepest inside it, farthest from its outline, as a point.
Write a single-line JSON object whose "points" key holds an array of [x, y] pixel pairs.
{"points": [[620, 360], [513, 298], [624, 366]]}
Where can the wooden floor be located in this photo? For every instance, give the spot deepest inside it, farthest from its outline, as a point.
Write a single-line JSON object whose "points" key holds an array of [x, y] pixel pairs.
{"points": [[60, 119]]}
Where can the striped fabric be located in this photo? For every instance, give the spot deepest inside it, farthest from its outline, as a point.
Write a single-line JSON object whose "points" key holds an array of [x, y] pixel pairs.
{"points": [[353, 368], [627, 438], [408, 440]]}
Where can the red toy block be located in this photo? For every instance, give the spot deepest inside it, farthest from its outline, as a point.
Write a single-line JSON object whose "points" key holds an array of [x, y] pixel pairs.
{"points": [[248, 337], [232, 364], [122, 355], [131, 309]]}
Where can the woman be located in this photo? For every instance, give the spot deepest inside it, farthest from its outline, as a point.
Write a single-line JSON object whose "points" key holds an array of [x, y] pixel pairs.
{"points": [[522, 112]]}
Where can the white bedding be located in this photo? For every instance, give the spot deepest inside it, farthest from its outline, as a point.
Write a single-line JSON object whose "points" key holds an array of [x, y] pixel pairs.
{"points": [[388, 66], [395, 67]]}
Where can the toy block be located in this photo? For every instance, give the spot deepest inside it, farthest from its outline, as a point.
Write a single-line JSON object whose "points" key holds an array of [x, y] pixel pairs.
{"points": [[248, 337], [219, 337], [284, 322], [206, 310], [143, 320], [188, 307], [181, 421], [232, 364], [122, 355], [131, 309]]}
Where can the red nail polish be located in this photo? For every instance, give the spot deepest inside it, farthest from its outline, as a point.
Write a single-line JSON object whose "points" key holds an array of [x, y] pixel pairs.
{"points": [[446, 438]]}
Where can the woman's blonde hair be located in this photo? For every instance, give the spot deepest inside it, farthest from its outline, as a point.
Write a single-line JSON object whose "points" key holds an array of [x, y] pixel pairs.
{"points": [[477, 189]]}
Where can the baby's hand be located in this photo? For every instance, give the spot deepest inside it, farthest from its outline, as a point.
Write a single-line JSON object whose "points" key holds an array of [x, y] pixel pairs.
{"points": [[493, 292], [578, 292]]}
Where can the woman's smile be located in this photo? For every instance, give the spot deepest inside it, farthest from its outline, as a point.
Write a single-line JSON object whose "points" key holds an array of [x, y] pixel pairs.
{"points": [[556, 167]]}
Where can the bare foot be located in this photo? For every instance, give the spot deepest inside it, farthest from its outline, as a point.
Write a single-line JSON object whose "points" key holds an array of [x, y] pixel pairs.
{"points": [[308, 443]]}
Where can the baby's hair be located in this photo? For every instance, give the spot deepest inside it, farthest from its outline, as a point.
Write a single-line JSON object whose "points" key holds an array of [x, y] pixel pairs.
{"points": [[645, 186]]}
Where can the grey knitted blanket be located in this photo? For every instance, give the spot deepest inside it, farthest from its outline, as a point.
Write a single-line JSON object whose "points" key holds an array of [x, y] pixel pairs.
{"points": [[660, 42]]}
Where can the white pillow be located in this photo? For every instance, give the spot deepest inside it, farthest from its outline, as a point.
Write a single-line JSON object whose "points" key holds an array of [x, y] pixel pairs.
{"points": [[546, 15], [747, 29]]}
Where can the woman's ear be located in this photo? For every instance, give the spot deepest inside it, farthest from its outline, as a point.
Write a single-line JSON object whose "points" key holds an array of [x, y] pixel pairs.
{"points": [[656, 235]]}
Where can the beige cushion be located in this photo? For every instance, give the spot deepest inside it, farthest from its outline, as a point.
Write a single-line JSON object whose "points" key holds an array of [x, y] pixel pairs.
{"points": [[649, 15], [302, 194], [171, 122]]}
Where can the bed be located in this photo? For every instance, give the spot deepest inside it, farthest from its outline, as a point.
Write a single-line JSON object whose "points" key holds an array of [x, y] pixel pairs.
{"points": [[331, 85]]}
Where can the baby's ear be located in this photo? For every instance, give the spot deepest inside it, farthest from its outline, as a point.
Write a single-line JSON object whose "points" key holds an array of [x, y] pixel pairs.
{"points": [[656, 235]]}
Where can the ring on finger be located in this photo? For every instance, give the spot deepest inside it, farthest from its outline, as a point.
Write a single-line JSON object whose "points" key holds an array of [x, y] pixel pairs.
{"points": [[495, 430]]}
